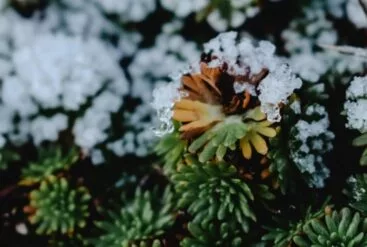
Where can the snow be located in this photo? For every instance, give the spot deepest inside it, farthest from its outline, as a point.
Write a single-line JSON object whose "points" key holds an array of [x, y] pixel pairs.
{"points": [[240, 11], [356, 104], [312, 139], [243, 56], [57, 63]]}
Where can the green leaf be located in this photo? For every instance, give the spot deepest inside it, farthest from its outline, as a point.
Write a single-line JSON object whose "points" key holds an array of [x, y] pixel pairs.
{"points": [[360, 141], [216, 141]]}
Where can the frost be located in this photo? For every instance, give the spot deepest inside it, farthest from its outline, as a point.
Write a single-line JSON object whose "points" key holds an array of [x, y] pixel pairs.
{"points": [[356, 104], [311, 140], [275, 89], [163, 101]]}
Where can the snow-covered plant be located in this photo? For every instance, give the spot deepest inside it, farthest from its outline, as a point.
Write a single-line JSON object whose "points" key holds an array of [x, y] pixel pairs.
{"points": [[310, 139], [234, 93], [356, 111], [356, 192], [303, 39], [303, 140]]}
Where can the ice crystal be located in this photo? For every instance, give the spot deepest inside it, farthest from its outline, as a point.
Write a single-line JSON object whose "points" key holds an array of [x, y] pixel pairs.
{"points": [[311, 141], [356, 104]]}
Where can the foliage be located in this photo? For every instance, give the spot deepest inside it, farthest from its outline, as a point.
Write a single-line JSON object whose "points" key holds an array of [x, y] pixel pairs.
{"points": [[49, 161], [7, 156], [140, 222], [171, 148], [286, 232], [217, 140], [57, 207], [357, 192], [280, 166], [225, 234], [343, 228], [213, 191], [224, 136], [361, 141]]}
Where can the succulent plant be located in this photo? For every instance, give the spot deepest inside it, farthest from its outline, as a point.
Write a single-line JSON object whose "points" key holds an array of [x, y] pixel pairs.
{"points": [[49, 161], [140, 222], [58, 208]]}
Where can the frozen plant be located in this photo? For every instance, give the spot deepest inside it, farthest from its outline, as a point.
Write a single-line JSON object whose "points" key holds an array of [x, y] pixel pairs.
{"points": [[311, 139], [356, 104], [258, 71]]}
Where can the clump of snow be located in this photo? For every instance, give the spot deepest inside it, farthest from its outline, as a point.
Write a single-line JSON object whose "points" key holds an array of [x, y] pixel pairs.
{"points": [[163, 101], [57, 71], [48, 129], [335, 7], [356, 104], [356, 14], [311, 140], [240, 11], [56, 68], [275, 89], [169, 55]]}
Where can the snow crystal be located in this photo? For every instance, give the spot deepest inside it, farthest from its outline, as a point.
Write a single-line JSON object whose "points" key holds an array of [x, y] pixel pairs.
{"points": [[356, 104], [312, 139], [275, 89], [163, 101]]}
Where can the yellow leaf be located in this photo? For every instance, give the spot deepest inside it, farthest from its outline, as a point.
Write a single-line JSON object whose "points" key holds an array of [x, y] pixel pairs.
{"points": [[246, 148], [267, 131], [259, 143]]}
